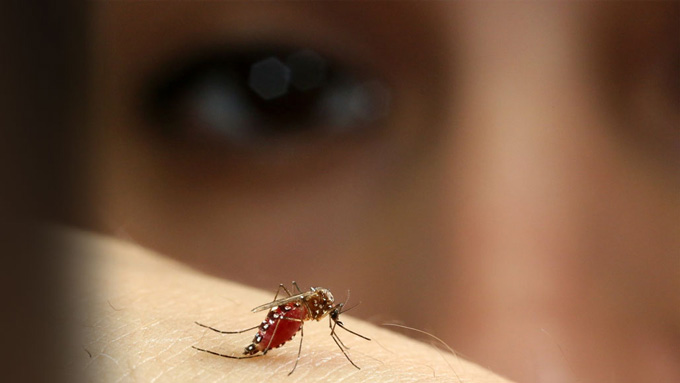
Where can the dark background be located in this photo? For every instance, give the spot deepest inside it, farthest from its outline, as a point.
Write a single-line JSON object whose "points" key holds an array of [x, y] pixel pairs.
{"points": [[42, 77]]}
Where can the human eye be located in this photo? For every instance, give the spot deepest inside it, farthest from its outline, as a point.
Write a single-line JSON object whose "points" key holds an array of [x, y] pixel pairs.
{"points": [[249, 96], [272, 92]]}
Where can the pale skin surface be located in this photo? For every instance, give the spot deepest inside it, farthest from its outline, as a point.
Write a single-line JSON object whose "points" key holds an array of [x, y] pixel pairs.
{"points": [[520, 200], [136, 324]]}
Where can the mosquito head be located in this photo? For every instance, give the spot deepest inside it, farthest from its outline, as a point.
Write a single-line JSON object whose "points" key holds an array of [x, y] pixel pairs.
{"points": [[334, 316], [335, 313]]}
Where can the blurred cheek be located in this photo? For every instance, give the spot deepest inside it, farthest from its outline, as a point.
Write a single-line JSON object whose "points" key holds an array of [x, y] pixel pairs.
{"points": [[547, 211]]}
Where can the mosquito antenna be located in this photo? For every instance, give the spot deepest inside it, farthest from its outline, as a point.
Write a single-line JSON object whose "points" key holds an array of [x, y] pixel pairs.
{"points": [[341, 305], [344, 311]]}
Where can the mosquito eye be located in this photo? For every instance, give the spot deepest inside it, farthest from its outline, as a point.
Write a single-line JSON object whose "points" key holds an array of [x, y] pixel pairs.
{"points": [[244, 96]]}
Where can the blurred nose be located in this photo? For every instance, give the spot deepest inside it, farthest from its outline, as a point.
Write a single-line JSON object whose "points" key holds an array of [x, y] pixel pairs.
{"points": [[517, 144]]}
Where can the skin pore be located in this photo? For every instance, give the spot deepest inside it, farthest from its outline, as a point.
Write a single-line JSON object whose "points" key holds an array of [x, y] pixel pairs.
{"points": [[519, 200]]}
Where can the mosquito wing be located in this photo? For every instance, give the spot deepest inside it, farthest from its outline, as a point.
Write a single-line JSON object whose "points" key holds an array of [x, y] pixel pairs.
{"points": [[282, 301]]}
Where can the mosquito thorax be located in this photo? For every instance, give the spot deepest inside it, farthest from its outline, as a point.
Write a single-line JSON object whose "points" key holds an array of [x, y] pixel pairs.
{"points": [[320, 303]]}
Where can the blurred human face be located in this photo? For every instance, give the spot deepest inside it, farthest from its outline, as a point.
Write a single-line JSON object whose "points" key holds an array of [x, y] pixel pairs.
{"points": [[504, 175]]}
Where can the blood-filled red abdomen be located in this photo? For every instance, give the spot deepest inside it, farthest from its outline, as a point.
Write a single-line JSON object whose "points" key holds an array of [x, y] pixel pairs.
{"points": [[281, 325]]}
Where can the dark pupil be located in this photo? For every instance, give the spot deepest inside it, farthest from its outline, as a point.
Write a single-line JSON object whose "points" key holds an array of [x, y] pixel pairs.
{"points": [[246, 95]]}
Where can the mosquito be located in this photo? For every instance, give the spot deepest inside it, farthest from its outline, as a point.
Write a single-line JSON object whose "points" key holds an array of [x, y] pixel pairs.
{"points": [[286, 317]]}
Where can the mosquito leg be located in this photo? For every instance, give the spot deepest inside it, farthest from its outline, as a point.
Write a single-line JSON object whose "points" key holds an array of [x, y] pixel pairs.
{"points": [[226, 332], [226, 356], [332, 326], [281, 286], [297, 287], [335, 339], [302, 335]]}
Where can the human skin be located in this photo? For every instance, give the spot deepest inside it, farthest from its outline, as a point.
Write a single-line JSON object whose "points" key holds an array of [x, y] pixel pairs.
{"points": [[520, 201], [136, 322]]}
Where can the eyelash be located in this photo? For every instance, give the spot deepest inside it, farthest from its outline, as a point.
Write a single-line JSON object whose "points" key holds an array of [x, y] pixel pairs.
{"points": [[243, 97]]}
